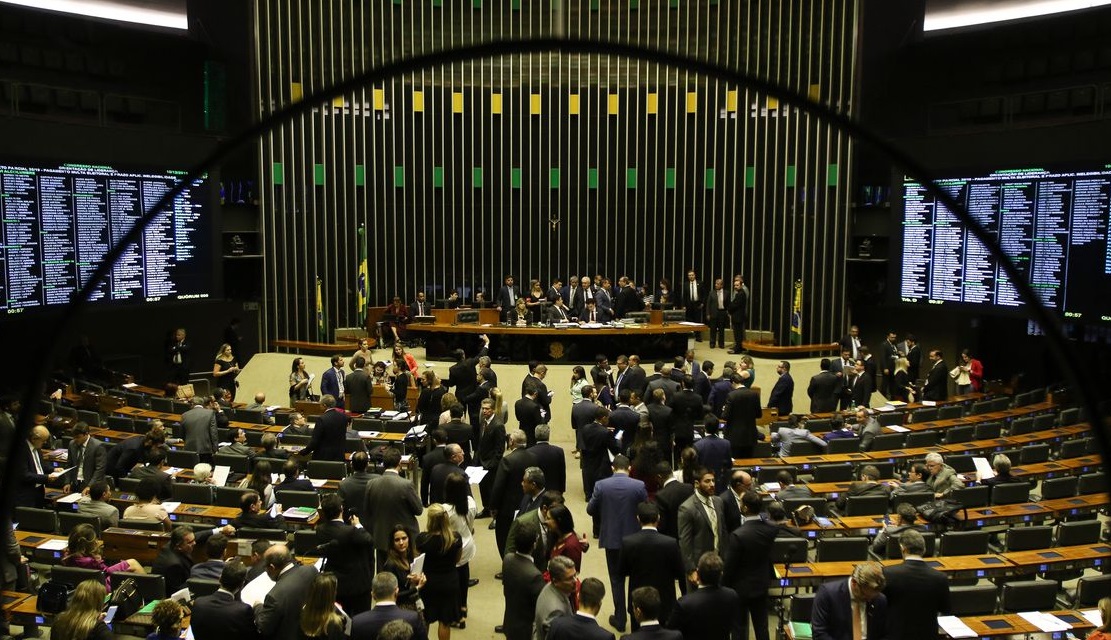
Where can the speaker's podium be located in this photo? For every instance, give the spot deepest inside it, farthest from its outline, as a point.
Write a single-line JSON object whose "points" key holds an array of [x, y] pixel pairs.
{"points": [[466, 316]]}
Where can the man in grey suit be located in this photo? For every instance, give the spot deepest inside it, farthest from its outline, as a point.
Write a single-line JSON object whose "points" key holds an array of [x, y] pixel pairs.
{"points": [[555, 599], [199, 426], [352, 489], [88, 457], [278, 615], [701, 523], [391, 500]]}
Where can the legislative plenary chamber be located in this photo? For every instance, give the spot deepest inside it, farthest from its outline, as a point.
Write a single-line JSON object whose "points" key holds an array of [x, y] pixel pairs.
{"points": [[555, 319]]}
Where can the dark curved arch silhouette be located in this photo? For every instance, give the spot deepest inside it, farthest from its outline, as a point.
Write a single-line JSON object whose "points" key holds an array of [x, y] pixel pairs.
{"points": [[1085, 382]]}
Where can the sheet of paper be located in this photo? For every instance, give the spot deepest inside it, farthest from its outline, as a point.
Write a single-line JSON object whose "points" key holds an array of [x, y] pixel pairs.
{"points": [[687, 323], [475, 474], [885, 408], [929, 403], [220, 475], [896, 403], [1093, 616], [368, 434], [53, 545], [274, 407], [58, 472], [954, 627], [772, 487], [170, 507], [316, 484], [897, 428], [1045, 621], [129, 385], [405, 459], [182, 595], [983, 467], [71, 498], [256, 590]]}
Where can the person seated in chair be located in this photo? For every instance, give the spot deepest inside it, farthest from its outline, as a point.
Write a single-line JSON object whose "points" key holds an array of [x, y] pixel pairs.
{"points": [[1001, 464], [238, 446], [292, 480], [868, 485], [270, 448], [916, 481], [252, 515], [905, 516]]}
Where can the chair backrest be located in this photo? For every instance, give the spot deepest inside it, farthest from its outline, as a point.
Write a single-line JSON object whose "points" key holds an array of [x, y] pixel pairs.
{"points": [[891, 418], [925, 414], [819, 425], [806, 448], [397, 426], [250, 416], [894, 551], [1079, 532], [978, 600], [1010, 493], [844, 445], [922, 439], [292, 439], [961, 463], [192, 493], [889, 441], [1063, 487], [1034, 454], [866, 505], [1089, 591], [789, 550], [1028, 595], [958, 434], [802, 607], [1045, 421], [305, 542], [972, 497], [978, 408], [68, 520], [820, 505], [151, 586], [127, 484], [183, 459], [1020, 426], [367, 424], [202, 586], [65, 412], [837, 472], [248, 533], [762, 450], [950, 411], [201, 386], [964, 543], [847, 549], [74, 576], [238, 464], [1002, 403], [886, 468], [229, 496], [354, 445], [914, 498], [254, 438], [1092, 483], [40, 520], [987, 430], [1074, 448], [165, 405], [137, 400], [1069, 416], [326, 470], [141, 525], [120, 423], [289, 498], [768, 474], [1028, 538]]}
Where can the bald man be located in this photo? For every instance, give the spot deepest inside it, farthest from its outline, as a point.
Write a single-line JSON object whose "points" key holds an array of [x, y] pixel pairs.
{"points": [[32, 471]]}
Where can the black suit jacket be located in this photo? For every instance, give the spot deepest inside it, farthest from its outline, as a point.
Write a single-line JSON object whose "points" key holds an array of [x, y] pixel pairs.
{"points": [[916, 595], [349, 554], [741, 411], [937, 382], [491, 444], [173, 566], [521, 585], [357, 388], [668, 499], [527, 412], [437, 456], [636, 379], [165, 481], [327, 441], [652, 559], [507, 493], [582, 414], [353, 487], [732, 513], [368, 623], [686, 409], [222, 615], [831, 618], [824, 391], [31, 490], [95, 463], [748, 558], [596, 442], [627, 301], [653, 632], [576, 627], [861, 392], [781, 397], [459, 432], [439, 478], [463, 377], [280, 612], [708, 613], [553, 462]]}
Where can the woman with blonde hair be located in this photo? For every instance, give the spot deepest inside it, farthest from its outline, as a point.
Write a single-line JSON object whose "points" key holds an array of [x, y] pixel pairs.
{"points": [[225, 369], [442, 550], [501, 409], [83, 618], [320, 618], [902, 389], [448, 401], [1102, 632]]}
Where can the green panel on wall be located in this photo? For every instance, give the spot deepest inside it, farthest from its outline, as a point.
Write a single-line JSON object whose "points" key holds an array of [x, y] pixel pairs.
{"points": [[674, 4], [634, 4], [556, 5], [360, 175], [279, 173], [476, 177], [515, 177], [438, 177], [631, 178], [515, 5], [477, 4], [437, 3], [790, 177], [592, 178], [750, 177], [595, 5], [553, 177], [711, 178], [669, 178], [318, 175], [831, 175], [399, 176]]}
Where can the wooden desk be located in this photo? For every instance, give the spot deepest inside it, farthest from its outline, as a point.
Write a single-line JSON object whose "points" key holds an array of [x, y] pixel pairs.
{"points": [[30, 541], [1076, 505], [814, 573], [1020, 513], [1078, 557], [144, 546], [1012, 624]]}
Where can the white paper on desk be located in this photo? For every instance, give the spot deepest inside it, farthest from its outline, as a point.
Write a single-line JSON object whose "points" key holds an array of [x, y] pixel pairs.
{"points": [[129, 385], [954, 627], [417, 566], [389, 414], [368, 434], [1044, 621], [983, 467], [417, 430], [475, 474], [772, 487], [53, 545], [170, 506], [173, 471], [885, 408], [274, 407], [688, 323], [1093, 617], [220, 474], [898, 428], [406, 459], [316, 484], [929, 403], [71, 498], [256, 589]]}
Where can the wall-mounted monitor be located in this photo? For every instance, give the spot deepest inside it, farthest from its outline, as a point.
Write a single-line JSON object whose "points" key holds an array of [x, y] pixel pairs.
{"points": [[57, 224], [1053, 222]]}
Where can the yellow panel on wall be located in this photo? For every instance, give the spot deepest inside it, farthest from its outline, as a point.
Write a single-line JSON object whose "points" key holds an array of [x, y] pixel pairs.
{"points": [[295, 92], [614, 104], [731, 100], [815, 92], [457, 102], [495, 103], [338, 102], [653, 103], [773, 103], [573, 104], [692, 102], [418, 101], [535, 104], [378, 97]]}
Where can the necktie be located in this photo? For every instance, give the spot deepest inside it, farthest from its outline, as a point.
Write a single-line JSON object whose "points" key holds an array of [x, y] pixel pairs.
{"points": [[694, 292], [858, 628], [36, 459], [562, 316], [712, 515], [592, 316], [420, 308], [339, 381], [81, 467], [589, 294]]}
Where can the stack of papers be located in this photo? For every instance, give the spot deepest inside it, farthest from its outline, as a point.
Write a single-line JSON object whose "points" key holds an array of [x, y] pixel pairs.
{"points": [[475, 474], [954, 627], [1093, 617], [170, 507], [299, 513], [53, 545], [1045, 621], [317, 483], [71, 498], [898, 428], [984, 468]]}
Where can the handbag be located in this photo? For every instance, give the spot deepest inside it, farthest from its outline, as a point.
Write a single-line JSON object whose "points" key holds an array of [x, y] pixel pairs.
{"points": [[126, 598], [54, 596], [803, 515], [943, 512]]}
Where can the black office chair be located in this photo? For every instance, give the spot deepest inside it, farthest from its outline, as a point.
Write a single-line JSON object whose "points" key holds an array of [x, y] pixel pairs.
{"points": [[914, 498], [820, 425], [895, 552], [305, 542], [1089, 591], [74, 576], [120, 423], [820, 505], [847, 549], [1034, 454], [769, 474], [1002, 403], [397, 426], [289, 498], [762, 450], [806, 448], [40, 520], [192, 493], [127, 484], [837, 472], [1028, 538], [1068, 417], [238, 464], [866, 505], [1070, 534], [1074, 448], [844, 445], [292, 439], [922, 439], [987, 431], [891, 418], [789, 551], [1063, 487], [950, 412], [183, 459], [230, 496], [254, 438], [973, 601], [141, 525], [1092, 483], [65, 412], [202, 587], [163, 405], [354, 445], [980, 408], [959, 434], [925, 414], [367, 424], [964, 543], [1028, 595], [326, 470], [249, 533], [137, 400], [1022, 426], [889, 442], [250, 416], [961, 463], [151, 586], [1010, 493], [802, 607], [1045, 421], [67, 520]]}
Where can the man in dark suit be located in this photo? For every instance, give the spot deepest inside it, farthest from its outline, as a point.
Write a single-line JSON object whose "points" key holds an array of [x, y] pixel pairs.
{"points": [[692, 295], [584, 294], [332, 381], [838, 602], [624, 419], [459, 432], [559, 312], [353, 487], [291, 478], [543, 396], [177, 357], [652, 559], [348, 553], [583, 625], [329, 434], [671, 494], [491, 447], [199, 426], [368, 624], [31, 470], [614, 502], [937, 378], [505, 497], [436, 455], [358, 387], [597, 443], [824, 389], [916, 592], [636, 378], [593, 313], [507, 297], [867, 485], [389, 501], [781, 397], [860, 385], [843, 368], [698, 533], [661, 379], [175, 560], [741, 411], [462, 374], [278, 617], [157, 471], [453, 464], [536, 518], [521, 584], [88, 456], [644, 603], [252, 515], [710, 611], [686, 410], [914, 358], [717, 313], [851, 342], [222, 614], [738, 313], [740, 482], [748, 565], [626, 300], [554, 599], [550, 458], [714, 452], [659, 416], [420, 306], [889, 353], [527, 412]]}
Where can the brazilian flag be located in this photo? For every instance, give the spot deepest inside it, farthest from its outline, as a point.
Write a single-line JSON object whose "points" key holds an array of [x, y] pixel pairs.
{"points": [[361, 280], [321, 320], [796, 315]]}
